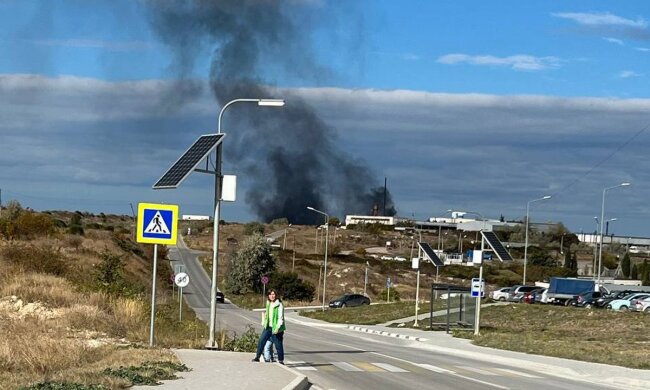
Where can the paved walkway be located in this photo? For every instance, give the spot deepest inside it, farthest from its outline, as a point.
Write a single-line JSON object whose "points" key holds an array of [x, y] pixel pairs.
{"points": [[230, 370]]}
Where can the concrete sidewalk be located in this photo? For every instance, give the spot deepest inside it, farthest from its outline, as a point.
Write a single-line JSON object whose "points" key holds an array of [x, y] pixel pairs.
{"points": [[230, 370]]}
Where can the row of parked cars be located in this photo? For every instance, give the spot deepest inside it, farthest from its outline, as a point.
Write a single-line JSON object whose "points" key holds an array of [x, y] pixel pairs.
{"points": [[618, 300]]}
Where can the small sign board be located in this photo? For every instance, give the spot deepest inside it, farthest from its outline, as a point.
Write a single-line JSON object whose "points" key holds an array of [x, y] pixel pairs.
{"points": [[182, 279], [265, 280], [415, 263], [477, 257], [389, 284], [157, 223], [478, 285]]}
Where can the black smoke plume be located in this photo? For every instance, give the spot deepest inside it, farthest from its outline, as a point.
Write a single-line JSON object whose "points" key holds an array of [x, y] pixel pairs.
{"points": [[289, 155]]}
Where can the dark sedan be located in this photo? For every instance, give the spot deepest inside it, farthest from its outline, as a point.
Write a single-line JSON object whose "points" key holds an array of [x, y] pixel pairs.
{"points": [[350, 300], [220, 297]]}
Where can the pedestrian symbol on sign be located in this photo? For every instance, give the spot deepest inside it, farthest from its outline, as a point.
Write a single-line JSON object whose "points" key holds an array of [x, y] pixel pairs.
{"points": [[157, 225]]}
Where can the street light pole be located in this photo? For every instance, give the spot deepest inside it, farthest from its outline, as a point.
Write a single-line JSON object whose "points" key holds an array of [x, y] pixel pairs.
{"points": [[602, 219], [327, 230], [217, 211], [526, 243]]}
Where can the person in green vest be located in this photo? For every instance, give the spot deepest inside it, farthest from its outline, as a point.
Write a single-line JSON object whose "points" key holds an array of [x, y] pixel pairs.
{"points": [[273, 327]]}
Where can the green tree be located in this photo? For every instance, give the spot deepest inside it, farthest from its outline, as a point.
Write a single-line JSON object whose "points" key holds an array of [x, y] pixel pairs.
{"points": [[290, 286], [634, 274], [625, 266], [253, 228], [334, 221], [280, 221], [109, 272], [249, 264]]}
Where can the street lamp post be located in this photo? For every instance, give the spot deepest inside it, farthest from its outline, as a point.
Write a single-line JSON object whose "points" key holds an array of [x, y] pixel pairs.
{"points": [[526, 243], [217, 210], [327, 220], [602, 219]]}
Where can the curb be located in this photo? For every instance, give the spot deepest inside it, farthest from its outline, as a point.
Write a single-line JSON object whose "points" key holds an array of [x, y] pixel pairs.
{"points": [[382, 333], [301, 382]]}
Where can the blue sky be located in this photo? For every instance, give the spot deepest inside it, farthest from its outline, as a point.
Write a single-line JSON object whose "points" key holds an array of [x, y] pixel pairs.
{"points": [[467, 105]]}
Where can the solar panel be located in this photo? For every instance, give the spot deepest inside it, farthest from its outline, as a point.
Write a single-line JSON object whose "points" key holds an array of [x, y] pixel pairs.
{"points": [[497, 246], [188, 161], [430, 254]]}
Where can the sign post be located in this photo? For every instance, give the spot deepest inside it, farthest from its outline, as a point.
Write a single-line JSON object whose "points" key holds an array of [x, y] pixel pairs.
{"points": [[478, 288], [156, 225], [181, 280], [265, 281], [388, 284]]}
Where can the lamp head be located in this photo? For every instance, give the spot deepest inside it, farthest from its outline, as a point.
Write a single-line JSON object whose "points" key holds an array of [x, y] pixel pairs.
{"points": [[271, 102], [547, 197], [625, 184]]}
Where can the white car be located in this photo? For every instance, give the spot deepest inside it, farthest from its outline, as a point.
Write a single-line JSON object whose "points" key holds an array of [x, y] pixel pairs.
{"points": [[500, 294], [642, 305], [400, 258], [386, 257]]}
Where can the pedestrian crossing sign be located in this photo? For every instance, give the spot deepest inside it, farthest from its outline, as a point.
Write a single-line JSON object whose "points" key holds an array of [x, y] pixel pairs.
{"points": [[157, 223]]}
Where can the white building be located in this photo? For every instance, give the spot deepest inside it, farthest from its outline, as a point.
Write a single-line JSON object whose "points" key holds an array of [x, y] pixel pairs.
{"points": [[356, 219], [189, 217]]}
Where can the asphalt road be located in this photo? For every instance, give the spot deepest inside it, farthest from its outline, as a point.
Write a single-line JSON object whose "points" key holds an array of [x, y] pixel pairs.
{"points": [[337, 358]]}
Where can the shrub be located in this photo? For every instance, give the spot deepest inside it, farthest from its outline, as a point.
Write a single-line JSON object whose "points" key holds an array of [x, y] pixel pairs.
{"points": [[394, 295], [36, 259], [252, 228], [247, 342], [292, 287]]}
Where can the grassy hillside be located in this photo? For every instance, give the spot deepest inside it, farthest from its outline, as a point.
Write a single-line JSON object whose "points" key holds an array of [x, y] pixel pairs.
{"points": [[77, 305]]}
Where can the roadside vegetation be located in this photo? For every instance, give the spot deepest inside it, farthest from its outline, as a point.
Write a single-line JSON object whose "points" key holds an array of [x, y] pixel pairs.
{"points": [[370, 315], [74, 298], [600, 336]]}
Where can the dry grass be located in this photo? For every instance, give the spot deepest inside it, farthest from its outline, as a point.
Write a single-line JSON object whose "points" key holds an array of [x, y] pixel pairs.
{"points": [[601, 336]]}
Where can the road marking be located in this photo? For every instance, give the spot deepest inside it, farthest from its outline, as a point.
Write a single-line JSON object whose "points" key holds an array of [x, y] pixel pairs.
{"points": [[477, 370], [389, 367], [435, 368], [346, 366], [302, 366], [517, 373], [368, 367]]}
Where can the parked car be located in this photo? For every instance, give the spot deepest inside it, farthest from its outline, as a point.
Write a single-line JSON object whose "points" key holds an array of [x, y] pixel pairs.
{"points": [[500, 294], [387, 257], [643, 305], [635, 302], [606, 299], [220, 297], [400, 258], [517, 293], [586, 299], [531, 296], [350, 300], [624, 304]]}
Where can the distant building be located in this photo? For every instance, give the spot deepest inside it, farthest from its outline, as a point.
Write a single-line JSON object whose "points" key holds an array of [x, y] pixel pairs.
{"points": [[189, 217], [357, 219]]}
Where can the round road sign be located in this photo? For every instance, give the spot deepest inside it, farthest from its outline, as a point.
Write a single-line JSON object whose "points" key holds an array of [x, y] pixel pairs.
{"points": [[182, 279], [265, 279]]}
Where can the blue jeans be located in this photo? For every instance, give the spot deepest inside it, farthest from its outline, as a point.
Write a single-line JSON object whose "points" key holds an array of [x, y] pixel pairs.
{"points": [[264, 337], [268, 351], [277, 342]]}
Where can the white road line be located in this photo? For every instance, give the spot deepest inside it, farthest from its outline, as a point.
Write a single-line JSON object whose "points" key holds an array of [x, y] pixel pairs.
{"points": [[478, 370], [389, 367], [435, 368], [302, 366], [346, 366], [518, 373]]}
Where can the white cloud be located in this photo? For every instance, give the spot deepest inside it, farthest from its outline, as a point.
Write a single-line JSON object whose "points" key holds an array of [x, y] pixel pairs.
{"points": [[601, 19], [614, 40], [643, 49], [628, 73], [516, 62]]}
